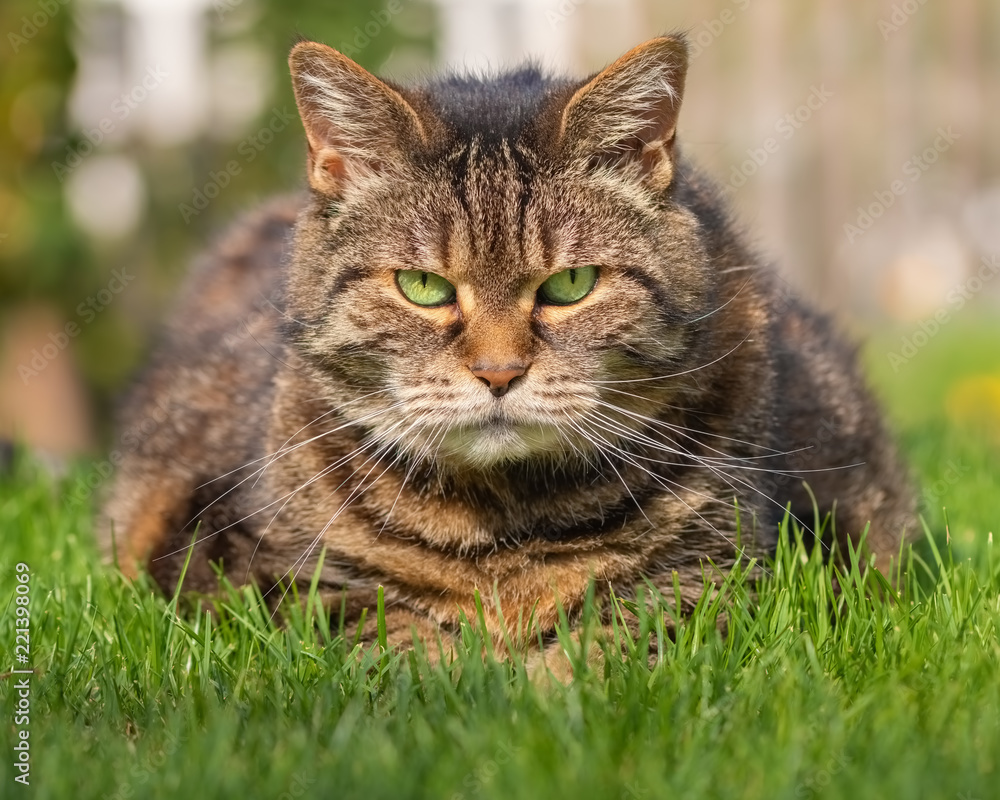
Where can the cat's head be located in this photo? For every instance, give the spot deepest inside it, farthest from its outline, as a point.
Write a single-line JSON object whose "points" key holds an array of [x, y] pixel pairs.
{"points": [[489, 267]]}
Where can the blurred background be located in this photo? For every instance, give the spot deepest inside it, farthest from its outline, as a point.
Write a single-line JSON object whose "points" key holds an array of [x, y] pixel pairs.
{"points": [[857, 140]]}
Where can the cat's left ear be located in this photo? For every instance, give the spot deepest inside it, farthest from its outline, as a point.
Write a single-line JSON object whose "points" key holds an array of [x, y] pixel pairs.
{"points": [[626, 115]]}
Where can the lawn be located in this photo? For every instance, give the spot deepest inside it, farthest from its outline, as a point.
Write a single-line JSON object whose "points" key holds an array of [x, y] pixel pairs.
{"points": [[813, 693]]}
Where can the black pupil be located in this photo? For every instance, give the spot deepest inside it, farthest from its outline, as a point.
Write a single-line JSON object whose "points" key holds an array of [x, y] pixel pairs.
{"points": [[423, 279], [572, 276]]}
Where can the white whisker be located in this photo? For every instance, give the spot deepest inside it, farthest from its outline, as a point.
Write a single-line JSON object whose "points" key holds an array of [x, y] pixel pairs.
{"points": [[716, 311], [743, 341]]}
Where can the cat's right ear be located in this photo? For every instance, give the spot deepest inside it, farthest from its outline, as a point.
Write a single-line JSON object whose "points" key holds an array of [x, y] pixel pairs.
{"points": [[356, 125]]}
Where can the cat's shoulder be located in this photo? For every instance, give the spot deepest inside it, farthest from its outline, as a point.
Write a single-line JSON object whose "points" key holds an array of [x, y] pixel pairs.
{"points": [[241, 270], [253, 240]]}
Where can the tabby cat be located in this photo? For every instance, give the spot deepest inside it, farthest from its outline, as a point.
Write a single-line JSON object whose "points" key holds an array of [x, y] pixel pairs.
{"points": [[509, 340]]}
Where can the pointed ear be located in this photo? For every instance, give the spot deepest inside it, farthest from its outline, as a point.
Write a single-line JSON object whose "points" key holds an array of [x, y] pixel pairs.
{"points": [[356, 125], [626, 116]]}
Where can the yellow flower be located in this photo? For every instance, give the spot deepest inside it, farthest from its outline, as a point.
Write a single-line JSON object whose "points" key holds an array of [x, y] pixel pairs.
{"points": [[975, 399]]}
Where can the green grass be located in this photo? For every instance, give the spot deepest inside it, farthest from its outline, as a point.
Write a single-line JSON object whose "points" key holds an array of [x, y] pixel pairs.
{"points": [[811, 694]]}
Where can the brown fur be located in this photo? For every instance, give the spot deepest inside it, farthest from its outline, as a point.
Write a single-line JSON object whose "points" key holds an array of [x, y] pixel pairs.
{"points": [[316, 407]]}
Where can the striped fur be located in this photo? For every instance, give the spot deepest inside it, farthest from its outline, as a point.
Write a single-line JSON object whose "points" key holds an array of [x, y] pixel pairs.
{"points": [[348, 418]]}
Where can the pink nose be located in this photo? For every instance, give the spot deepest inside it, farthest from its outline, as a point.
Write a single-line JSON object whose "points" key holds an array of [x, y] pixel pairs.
{"points": [[498, 379]]}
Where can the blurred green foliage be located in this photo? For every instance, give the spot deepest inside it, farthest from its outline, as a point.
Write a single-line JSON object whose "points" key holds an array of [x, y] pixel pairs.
{"points": [[41, 253], [944, 407], [46, 260]]}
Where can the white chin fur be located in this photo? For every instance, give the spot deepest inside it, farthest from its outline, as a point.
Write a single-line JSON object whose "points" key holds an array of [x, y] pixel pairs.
{"points": [[495, 445]]}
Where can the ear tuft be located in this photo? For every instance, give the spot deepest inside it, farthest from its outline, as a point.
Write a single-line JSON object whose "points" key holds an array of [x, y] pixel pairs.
{"points": [[626, 115], [356, 125]]}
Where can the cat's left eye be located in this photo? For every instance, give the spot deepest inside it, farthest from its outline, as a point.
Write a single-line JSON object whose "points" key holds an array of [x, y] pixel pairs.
{"points": [[424, 288], [569, 286]]}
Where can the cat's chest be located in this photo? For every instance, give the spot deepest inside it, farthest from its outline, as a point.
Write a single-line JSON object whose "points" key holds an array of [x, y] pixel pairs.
{"points": [[453, 540], [434, 547], [359, 506]]}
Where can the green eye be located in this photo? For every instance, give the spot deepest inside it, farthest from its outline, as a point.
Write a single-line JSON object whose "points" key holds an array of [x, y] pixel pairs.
{"points": [[568, 286], [424, 288]]}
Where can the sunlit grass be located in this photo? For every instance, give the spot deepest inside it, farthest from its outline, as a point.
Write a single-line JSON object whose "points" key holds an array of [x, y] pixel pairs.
{"points": [[827, 682]]}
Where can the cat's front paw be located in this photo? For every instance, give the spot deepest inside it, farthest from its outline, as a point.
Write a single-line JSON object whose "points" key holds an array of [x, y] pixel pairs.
{"points": [[560, 662]]}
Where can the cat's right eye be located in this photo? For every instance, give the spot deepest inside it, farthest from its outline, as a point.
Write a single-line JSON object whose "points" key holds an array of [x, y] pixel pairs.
{"points": [[424, 288]]}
